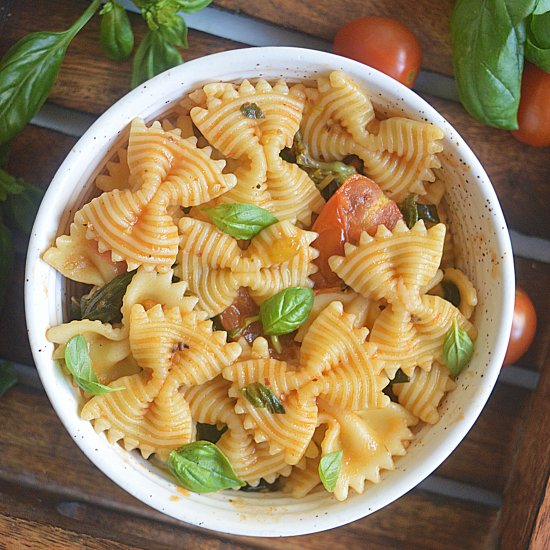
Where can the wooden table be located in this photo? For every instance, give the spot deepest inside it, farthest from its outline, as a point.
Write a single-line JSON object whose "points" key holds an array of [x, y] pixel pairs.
{"points": [[491, 491]]}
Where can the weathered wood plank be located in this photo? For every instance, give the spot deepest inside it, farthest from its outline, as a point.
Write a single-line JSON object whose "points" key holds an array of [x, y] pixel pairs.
{"points": [[428, 20], [88, 81], [526, 491]]}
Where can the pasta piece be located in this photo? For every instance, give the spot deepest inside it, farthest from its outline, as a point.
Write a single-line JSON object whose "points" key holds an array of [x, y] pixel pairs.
{"points": [[364, 453], [79, 259], [117, 174], [466, 290], [392, 265], [406, 340], [425, 390], [303, 480]]}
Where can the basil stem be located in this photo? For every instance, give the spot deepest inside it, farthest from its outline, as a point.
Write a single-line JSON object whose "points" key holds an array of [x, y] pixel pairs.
{"points": [[241, 221], [451, 293], [236, 332], [286, 311], [488, 38], [28, 71], [329, 469], [263, 398], [458, 349], [79, 364], [105, 303], [7, 261], [115, 31], [202, 468], [8, 377], [252, 110]]}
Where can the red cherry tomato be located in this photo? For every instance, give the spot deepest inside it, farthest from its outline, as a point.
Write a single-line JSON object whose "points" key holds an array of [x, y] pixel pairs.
{"points": [[524, 326], [359, 205], [383, 43], [534, 108]]}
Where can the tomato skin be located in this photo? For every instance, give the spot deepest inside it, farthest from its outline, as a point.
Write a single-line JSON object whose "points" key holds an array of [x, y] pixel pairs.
{"points": [[383, 43], [534, 108], [524, 327], [359, 205]]}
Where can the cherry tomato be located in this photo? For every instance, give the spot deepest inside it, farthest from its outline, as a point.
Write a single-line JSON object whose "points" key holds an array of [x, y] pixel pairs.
{"points": [[359, 205], [524, 326], [534, 107], [383, 43]]}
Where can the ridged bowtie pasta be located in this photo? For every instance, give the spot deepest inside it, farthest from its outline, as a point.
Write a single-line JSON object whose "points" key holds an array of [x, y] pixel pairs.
{"points": [[205, 315]]}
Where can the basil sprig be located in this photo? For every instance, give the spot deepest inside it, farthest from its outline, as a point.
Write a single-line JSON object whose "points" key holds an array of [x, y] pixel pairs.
{"points": [[263, 398], [202, 468], [458, 349], [106, 302], [79, 364], [537, 45], [8, 377], [27, 73], [413, 211], [115, 31], [286, 311], [241, 221], [329, 469]]}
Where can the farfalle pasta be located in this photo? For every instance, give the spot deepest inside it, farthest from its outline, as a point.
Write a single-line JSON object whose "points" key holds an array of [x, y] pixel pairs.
{"points": [[210, 325]]}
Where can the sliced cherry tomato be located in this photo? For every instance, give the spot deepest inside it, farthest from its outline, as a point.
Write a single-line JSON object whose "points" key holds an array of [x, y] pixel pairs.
{"points": [[383, 43], [359, 205], [534, 107], [524, 326]]}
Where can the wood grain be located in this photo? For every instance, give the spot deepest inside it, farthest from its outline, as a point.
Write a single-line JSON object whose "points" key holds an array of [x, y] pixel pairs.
{"points": [[527, 488], [322, 18]]}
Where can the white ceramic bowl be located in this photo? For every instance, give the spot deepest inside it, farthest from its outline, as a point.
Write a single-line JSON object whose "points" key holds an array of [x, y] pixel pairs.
{"points": [[477, 223]]}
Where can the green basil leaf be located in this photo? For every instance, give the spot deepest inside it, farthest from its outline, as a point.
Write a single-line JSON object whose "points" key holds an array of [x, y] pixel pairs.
{"points": [[427, 212], [263, 398], [7, 261], [329, 469], [286, 310], [413, 211], [79, 364], [27, 73], [488, 38], [241, 221], [9, 185], [8, 377], [192, 6], [252, 110], [451, 293], [106, 302], [157, 52], [537, 46], [202, 468], [115, 31], [4, 153], [458, 349], [23, 207]]}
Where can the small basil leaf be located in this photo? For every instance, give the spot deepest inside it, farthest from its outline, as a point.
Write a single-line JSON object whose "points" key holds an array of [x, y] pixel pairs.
{"points": [[8, 377], [23, 207], [7, 261], [458, 349], [262, 397], [115, 31], [286, 311], [79, 364], [451, 293], [209, 432], [9, 185], [27, 73], [428, 212], [251, 110], [241, 221], [202, 468], [488, 45], [409, 210], [106, 302], [329, 469]]}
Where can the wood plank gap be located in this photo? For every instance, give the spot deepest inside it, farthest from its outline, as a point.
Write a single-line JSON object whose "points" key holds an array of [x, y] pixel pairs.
{"points": [[459, 490], [530, 248]]}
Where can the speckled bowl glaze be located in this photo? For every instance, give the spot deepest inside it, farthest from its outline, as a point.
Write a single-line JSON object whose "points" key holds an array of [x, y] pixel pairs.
{"points": [[477, 224]]}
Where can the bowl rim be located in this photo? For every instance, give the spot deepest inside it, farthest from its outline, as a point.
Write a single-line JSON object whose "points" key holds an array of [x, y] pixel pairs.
{"points": [[253, 57]]}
